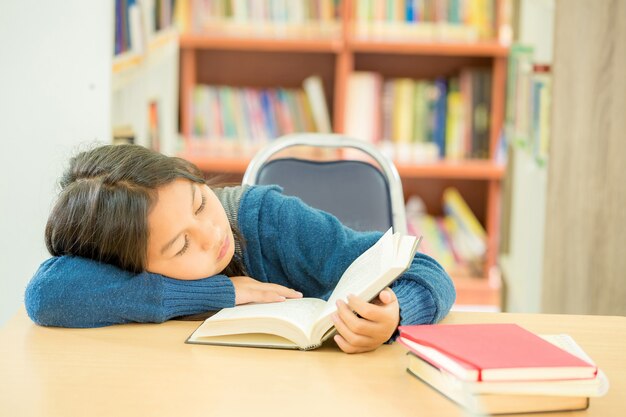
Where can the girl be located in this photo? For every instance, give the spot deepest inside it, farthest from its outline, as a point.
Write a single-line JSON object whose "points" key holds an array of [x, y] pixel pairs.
{"points": [[137, 236]]}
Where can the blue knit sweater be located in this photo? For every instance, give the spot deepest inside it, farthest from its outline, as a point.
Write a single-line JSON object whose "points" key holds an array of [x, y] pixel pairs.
{"points": [[287, 243]]}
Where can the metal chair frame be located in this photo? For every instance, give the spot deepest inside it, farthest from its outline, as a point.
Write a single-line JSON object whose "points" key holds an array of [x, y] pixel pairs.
{"points": [[336, 141]]}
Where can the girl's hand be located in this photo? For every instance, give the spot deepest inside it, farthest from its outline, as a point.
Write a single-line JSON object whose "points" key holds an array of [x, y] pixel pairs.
{"points": [[249, 290], [377, 323]]}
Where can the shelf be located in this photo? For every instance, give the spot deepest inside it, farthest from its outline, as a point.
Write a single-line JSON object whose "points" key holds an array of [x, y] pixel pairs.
{"points": [[225, 164], [126, 61], [466, 170], [477, 291], [335, 45], [224, 42], [481, 49], [131, 59]]}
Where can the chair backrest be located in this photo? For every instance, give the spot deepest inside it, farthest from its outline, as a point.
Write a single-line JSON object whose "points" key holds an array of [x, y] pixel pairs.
{"points": [[361, 195]]}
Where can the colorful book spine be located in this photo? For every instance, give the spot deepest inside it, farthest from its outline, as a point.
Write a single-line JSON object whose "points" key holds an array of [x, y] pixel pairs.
{"points": [[268, 18], [454, 146], [455, 206], [426, 20], [440, 116]]}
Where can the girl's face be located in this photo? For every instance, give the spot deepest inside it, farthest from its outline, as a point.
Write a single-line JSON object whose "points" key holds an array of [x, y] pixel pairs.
{"points": [[189, 233]]}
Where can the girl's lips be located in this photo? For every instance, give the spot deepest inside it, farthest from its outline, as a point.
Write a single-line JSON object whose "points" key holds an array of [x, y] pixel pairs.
{"points": [[223, 249]]}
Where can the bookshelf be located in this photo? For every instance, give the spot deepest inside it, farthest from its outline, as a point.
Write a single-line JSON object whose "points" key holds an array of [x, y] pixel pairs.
{"points": [[217, 56], [144, 74]]}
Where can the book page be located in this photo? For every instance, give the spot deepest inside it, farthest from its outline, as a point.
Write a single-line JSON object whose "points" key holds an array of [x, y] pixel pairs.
{"points": [[299, 312], [366, 268], [375, 269]]}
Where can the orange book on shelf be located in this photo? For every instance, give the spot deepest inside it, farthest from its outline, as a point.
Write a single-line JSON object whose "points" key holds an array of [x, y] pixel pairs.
{"points": [[493, 352]]}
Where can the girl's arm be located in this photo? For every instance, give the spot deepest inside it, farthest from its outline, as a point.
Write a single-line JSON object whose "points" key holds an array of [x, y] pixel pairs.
{"points": [[70, 291], [292, 244]]}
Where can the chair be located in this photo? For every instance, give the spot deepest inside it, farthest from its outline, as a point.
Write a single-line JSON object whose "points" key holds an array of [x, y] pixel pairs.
{"points": [[362, 196]]}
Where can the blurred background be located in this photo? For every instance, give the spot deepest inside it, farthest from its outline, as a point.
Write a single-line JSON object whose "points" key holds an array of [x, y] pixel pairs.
{"points": [[505, 119]]}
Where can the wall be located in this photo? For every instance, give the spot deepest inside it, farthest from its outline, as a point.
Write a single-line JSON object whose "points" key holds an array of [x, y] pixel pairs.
{"points": [[154, 79], [524, 203], [55, 97], [585, 262]]}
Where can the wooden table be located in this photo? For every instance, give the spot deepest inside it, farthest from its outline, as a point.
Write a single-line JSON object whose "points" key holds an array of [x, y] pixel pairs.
{"points": [[147, 370]]}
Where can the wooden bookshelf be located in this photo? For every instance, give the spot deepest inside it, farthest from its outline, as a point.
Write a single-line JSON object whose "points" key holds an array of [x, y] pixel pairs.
{"points": [[462, 170], [480, 49], [264, 62], [232, 43]]}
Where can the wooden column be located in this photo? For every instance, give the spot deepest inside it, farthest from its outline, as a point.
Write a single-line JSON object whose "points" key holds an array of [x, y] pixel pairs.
{"points": [[187, 83], [585, 240]]}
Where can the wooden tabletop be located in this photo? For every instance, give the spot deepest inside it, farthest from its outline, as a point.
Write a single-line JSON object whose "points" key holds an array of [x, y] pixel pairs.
{"points": [[148, 370]]}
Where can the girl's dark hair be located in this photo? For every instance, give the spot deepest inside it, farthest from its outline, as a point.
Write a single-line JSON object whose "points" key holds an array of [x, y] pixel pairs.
{"points": [[106, 195]]}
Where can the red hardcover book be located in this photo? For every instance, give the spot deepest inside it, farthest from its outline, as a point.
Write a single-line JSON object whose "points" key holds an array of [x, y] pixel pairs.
{"points": [[493, 352]]}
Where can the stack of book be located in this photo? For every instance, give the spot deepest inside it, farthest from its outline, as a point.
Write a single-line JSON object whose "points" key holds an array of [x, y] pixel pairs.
{"points": [[421, 120], [503, 368], [244, 119]]}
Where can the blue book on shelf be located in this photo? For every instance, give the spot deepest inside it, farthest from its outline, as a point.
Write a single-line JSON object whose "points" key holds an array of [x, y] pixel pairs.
{"points": [[268, 114], [410, 11], [440, 115], [118, 27]]}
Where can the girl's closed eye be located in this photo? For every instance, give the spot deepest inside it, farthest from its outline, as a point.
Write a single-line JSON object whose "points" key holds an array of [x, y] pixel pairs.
{"points": [[185, 246], [202, 204]]}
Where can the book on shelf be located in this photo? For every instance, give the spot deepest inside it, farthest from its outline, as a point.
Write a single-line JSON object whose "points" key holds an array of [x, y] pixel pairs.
{"points": [[138, 21], [123, 135], [441, 112], [426, 20], [528, 102], [519, 74], [363, 101], [481, 111], [454, 132], [514, 396], [240, 118], [306, 322], [540, 105], [457, 239], [260, 18], [419, 120], [493, 352], [314, 88], [470, 235]]}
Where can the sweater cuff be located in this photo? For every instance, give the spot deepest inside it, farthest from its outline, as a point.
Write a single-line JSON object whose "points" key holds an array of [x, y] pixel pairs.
{"points": [[181, 297], [417, 305]]}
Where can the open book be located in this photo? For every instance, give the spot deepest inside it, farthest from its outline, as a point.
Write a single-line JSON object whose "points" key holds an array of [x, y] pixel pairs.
{"points": [[306, 322]]}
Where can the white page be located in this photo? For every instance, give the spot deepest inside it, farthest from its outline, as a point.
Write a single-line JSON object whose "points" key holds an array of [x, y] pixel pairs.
{"points": [[300, 312], [369, 265]]}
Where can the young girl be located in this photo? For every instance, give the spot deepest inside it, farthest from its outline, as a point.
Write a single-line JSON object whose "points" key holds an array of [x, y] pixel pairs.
{"points": [[137, 236]]}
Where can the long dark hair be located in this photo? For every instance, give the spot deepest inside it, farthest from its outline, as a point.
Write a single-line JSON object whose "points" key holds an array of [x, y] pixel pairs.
{"points": [[102, 210]]}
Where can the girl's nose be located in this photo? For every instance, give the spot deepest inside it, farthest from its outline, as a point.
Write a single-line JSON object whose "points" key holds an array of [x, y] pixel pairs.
{"points": [[209, 237]]}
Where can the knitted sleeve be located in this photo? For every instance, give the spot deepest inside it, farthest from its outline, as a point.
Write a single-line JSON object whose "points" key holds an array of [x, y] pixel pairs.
{"points": [[70, 291]]}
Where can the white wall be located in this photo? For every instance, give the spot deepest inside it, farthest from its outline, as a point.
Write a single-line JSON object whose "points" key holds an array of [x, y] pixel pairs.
{"points": [[523, 265], [55, 70]]}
